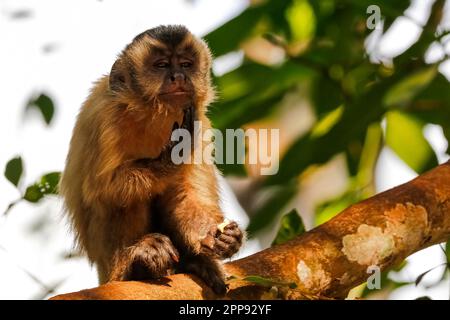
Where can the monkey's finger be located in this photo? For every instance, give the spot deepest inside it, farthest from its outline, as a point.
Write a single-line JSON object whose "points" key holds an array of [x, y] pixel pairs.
{"points": [[235, 233], [221, 247], [231, 225], [169, 251], [208, 252], [226, 238], [162, 259], [174, 255]]}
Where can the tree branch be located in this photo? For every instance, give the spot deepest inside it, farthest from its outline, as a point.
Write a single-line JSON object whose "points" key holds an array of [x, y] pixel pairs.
{"points": [[327, 261]]}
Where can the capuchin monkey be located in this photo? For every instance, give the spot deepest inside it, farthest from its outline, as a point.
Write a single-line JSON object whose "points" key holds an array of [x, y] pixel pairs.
{"points": [[135, 213]]}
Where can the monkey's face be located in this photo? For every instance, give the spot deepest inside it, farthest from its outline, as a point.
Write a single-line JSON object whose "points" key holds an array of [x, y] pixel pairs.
{"points": [[174, 70], [166, 64]]}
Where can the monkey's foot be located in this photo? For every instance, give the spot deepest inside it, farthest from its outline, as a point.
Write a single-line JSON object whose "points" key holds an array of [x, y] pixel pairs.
{"points": [[154, 256], [209, 270], [223, 244]]}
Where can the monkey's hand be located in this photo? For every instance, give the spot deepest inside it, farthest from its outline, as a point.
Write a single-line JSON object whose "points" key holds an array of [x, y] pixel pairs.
{"points": [[152, 257], [222, 243]]}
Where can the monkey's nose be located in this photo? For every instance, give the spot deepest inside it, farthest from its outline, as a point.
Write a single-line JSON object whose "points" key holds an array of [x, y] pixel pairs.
{"points": [[178, 77]]}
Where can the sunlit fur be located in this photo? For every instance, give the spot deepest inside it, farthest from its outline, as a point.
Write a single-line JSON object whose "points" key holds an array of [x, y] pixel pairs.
{"points": [[108, 198]]}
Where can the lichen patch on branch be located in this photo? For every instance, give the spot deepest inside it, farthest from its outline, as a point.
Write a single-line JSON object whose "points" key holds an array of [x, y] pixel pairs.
{"points": [[406, 227], [368, 246], [408, 223], [316, 278]]}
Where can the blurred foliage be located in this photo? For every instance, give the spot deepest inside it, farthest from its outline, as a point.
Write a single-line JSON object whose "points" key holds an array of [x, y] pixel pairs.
{"points": [[263, 282], [45, 106], [291, 227], [13, 170], [21, 14], [47, 184], [325, 58], [353, 93]]}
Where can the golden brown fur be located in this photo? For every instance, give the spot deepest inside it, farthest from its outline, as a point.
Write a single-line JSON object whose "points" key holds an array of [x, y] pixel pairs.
{"points": [[134, 213]]}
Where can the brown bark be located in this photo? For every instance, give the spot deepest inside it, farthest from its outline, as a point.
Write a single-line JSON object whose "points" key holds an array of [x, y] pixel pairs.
{"points": [[329, 260]]}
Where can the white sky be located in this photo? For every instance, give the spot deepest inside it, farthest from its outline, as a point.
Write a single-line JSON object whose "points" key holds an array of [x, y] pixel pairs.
{"points": [[88, 34]]}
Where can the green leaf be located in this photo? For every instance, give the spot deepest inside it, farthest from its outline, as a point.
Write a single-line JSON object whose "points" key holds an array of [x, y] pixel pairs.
{"points": [[264, 282], [447, 136], [48, 184], [447, 251], [330, 209], [356, 117], [368, 159], [33, 193], [327, 122], [333, 98], [229, 36], [273, 205], [404, 135], [235, 114], [301, 19], [45, 105], [291, 227], [438, 89], [13, 170], [252, 78], [405, 90]]}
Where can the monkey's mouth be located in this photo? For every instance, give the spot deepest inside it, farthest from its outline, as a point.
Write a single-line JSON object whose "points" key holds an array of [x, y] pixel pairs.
{"points": [[177, 90], [176, 93]]}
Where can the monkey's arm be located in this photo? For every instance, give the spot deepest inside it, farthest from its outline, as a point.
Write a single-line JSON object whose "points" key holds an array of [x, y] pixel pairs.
{"points": [[193, 215], [191, 206], [133, 181], [191, 218]]}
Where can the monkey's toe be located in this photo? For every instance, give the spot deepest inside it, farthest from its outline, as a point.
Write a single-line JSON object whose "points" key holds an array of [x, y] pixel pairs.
{"points": [[154, 256]]}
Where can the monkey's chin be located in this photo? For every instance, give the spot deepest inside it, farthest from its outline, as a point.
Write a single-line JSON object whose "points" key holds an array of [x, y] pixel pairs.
{"points": [[177, 99]]}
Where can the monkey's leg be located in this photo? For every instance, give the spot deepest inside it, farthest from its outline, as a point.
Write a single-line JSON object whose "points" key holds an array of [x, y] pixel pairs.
{"points": [[152, 257], [216, 245], [208, 269]]}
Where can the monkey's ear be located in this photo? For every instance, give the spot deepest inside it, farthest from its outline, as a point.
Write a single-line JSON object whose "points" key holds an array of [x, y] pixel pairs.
{"points": [[118, 76]]}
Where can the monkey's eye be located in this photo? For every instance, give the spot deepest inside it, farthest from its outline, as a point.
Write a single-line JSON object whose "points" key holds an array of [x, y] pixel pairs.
{"points": [[161, 65], [186, 64]]}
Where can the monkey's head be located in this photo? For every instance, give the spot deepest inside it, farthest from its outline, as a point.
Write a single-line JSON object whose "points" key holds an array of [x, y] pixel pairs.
{"points": [[167, 65]]}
